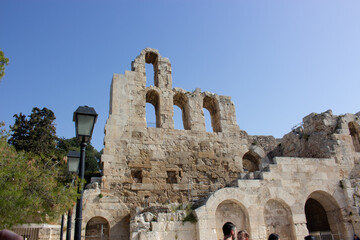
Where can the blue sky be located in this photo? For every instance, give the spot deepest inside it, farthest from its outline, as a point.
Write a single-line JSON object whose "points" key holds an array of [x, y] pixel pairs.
{"points": [[278, 60]]}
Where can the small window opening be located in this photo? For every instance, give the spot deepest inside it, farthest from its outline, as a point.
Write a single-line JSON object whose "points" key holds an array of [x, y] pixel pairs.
{"points": [[211, 105], [136, 176], [178, 123], [207, 117], [152, 113], [171, 177], [151, 69], [181, 112], [150, 116]]}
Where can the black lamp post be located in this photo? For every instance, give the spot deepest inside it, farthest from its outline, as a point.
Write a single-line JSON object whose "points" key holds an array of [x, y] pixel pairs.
{"points": [[84, 118], [73, 160]]}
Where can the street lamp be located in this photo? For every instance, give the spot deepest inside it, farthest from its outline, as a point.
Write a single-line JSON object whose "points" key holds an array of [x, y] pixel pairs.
{"points": [[84, 118], [73, 160]]}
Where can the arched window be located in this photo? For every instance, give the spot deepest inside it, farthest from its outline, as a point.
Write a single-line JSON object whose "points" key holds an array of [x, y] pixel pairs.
{"points": [[152, 98], [151, 68], [211, 104], [181, 101], [178, 122], [354, 129], [207, 118]]}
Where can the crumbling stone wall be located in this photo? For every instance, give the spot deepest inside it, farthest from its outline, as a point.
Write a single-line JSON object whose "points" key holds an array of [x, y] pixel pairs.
{"points": [[259, 182], [163, 165], [322, 136]]}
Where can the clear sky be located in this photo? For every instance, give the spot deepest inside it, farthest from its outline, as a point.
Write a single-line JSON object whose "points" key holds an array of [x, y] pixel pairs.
{"points": [[279, 60]]}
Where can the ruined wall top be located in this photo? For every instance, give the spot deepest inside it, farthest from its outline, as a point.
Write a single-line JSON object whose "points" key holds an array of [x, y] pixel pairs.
{"points": [[130, 93], [325, 135], [137, 157], [162, 67]]}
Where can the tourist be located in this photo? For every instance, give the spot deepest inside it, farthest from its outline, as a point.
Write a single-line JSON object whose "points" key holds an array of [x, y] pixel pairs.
{"points": [[356, 237], [274, 236], [243, 235], [229, 230]]}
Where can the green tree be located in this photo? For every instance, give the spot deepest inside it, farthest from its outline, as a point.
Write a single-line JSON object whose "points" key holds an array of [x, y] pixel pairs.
{"points": [[3, 62], [35, 134], [30, 190], [92, 156]]}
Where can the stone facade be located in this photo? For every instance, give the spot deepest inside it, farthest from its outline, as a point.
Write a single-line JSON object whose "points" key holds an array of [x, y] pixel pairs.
{"points": [[163, 183], [38, 231]]}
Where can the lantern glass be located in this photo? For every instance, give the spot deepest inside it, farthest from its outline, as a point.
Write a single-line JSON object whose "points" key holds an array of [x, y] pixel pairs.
{"points": [[85, 125], [73, 161], [85, 118]]}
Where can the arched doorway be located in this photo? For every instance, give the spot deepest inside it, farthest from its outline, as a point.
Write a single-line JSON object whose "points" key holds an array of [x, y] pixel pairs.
{"points": [[316, 218], [323, 216], [97, 228], [278, 219], [231, 211], [251, 161]]}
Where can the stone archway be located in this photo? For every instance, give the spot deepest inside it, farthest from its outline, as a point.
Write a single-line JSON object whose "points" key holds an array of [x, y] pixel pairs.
{"points": [[152, 57], [211, 104], [254, 159], [231, 211], [181, 100], [316, 218], [251, 162], [153, 98], [278, 219], [97, 228], [323, 216]]}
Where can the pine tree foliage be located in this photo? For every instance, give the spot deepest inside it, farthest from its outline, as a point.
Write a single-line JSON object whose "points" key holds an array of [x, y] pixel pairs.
{"points": [[30, 189], [35, 134], [34, 184]]}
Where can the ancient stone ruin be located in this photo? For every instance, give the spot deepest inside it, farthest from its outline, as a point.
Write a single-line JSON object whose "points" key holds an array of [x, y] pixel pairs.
{"points": [[164, 183]]}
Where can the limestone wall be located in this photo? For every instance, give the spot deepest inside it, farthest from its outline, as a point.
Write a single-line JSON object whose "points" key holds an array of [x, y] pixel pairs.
{"points": [[148, 226], [260, 183], [38, 231], [144, 165], [325, 135], [112, 213], [276, 203]]}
